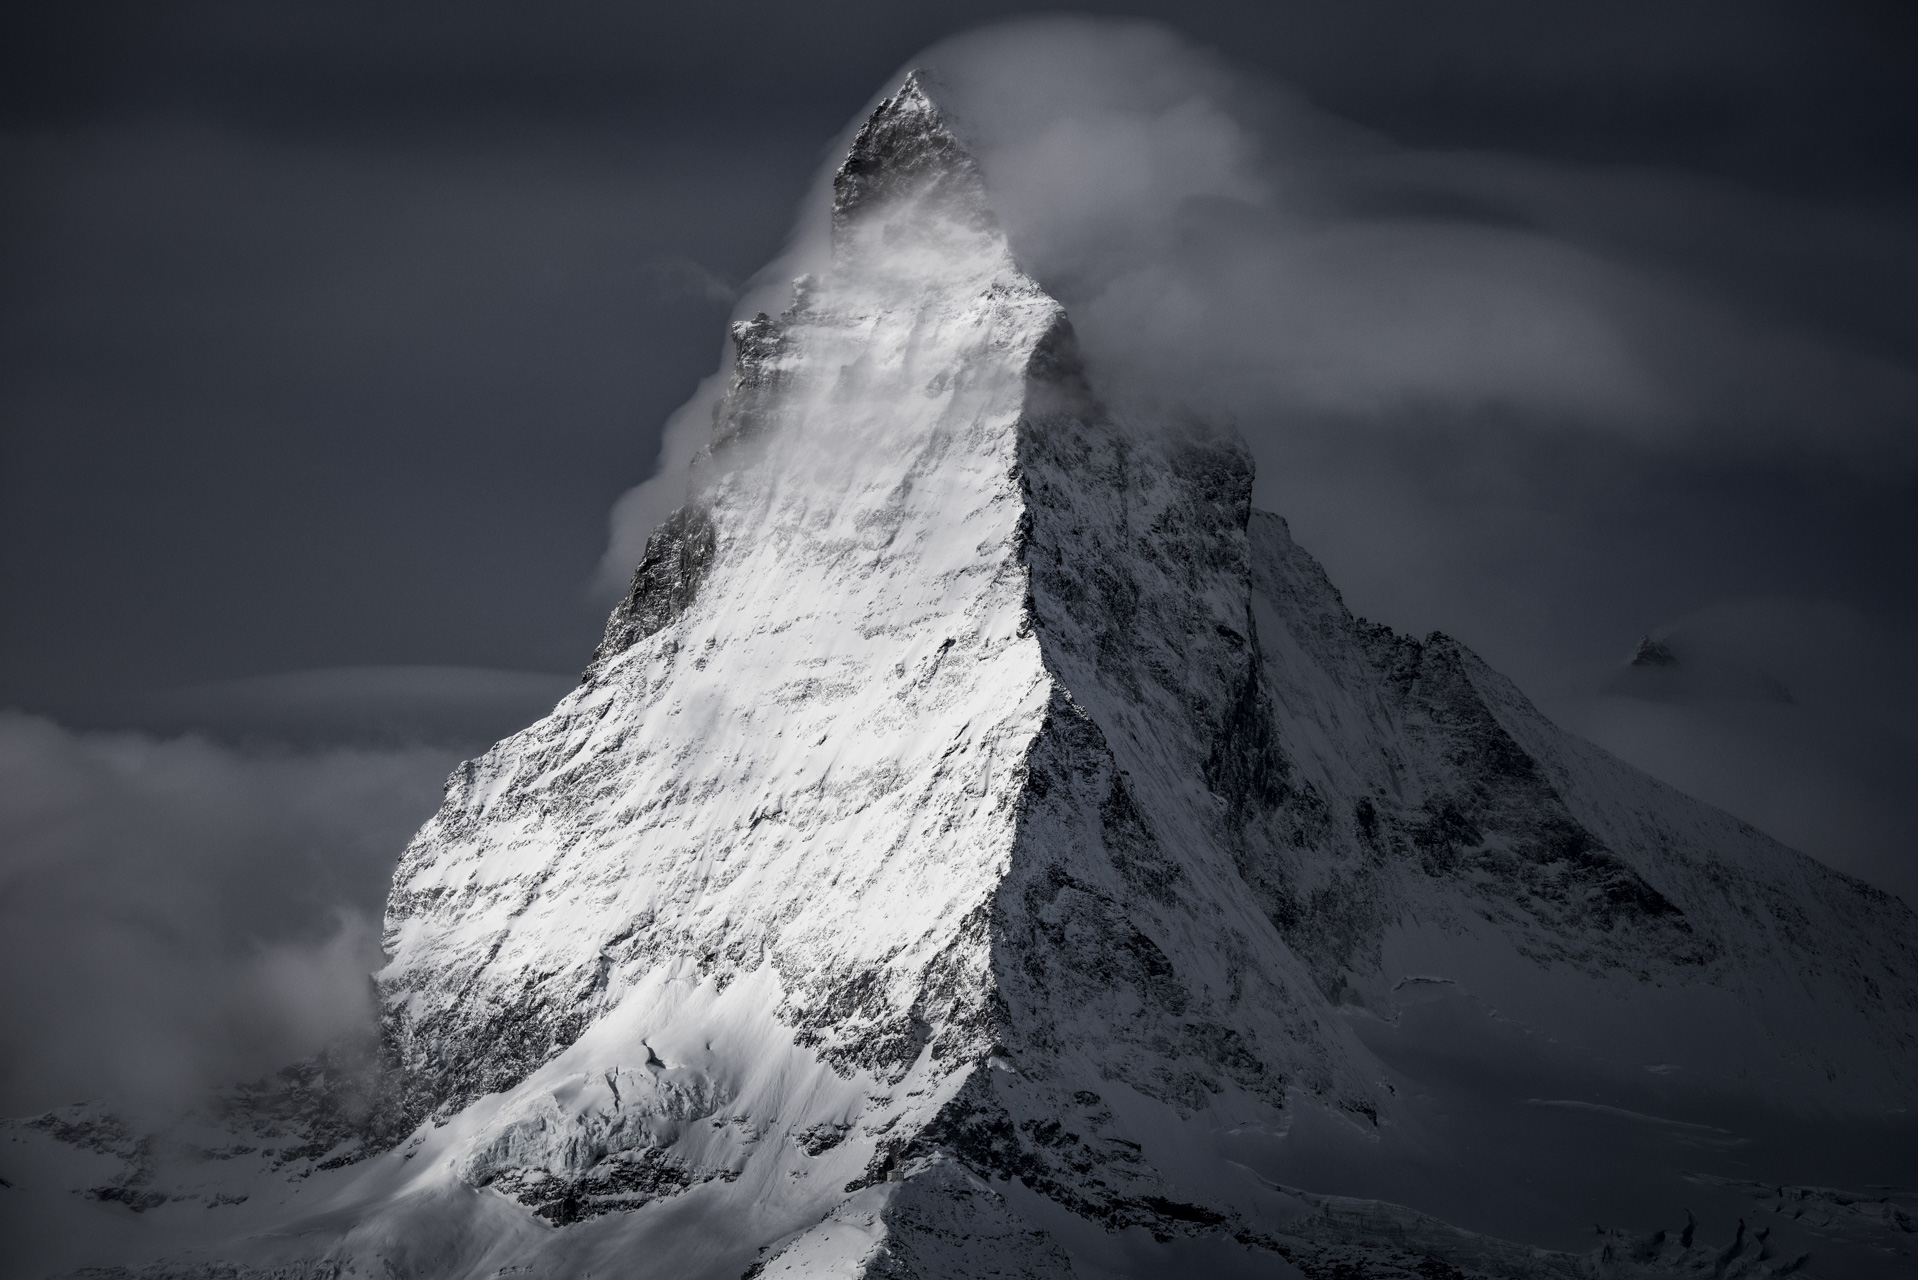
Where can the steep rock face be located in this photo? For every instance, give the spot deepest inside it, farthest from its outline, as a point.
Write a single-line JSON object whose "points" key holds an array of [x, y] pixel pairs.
{"points": [[678, 554], [1435, 822], [1031, 763], [981, 838], [915, 707]]}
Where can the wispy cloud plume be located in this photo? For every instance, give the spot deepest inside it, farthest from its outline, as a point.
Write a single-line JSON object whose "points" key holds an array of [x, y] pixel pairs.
{"points": [[1225, 246]]}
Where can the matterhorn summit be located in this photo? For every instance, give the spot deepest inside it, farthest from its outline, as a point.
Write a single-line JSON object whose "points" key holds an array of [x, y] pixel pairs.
{"points": [[984, 844]]}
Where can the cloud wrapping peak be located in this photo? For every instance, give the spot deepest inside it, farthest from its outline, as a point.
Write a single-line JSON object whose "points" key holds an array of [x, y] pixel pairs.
{"points": [[1538, 405], [1229, 251], [1224, 246]]}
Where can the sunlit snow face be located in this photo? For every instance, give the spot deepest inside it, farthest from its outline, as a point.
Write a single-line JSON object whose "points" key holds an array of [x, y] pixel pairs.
{"points": [[919, 326]]}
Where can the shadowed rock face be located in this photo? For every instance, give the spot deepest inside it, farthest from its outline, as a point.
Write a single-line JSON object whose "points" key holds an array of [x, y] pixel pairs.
{"points": [[678, 554], [905, 152], [1489, 828], [978, 817]]}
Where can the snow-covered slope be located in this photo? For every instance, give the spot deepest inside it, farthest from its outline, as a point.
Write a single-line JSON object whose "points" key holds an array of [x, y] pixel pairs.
{"points": [[982, 844]]}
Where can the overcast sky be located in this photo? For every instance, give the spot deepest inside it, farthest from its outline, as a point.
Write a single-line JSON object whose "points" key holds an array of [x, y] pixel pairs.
{"points": [[332, 331], [330, 335]]}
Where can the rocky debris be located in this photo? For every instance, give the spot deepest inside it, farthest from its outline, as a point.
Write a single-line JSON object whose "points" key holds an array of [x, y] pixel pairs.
{"points": [[818, 1139]]}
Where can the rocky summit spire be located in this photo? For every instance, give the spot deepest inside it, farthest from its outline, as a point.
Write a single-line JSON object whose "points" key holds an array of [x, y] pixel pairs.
{"points": [[906, 152], [984, 844]]}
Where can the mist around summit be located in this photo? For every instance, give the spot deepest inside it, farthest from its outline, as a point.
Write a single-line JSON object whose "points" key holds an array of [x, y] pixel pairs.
{"points": [[1445, 364]]}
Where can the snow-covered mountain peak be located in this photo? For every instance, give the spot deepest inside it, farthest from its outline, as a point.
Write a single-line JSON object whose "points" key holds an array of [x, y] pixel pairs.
{"points": [[983, 843], [906, 154], [798, 746]]}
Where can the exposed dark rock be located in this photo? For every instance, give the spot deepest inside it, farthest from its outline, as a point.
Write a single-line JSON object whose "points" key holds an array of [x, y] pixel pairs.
{"points": [[1654, 653], [621, 1182], [906, 149], [678, 556]]}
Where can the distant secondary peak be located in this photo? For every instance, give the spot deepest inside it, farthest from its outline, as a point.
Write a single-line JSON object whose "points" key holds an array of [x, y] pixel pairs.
{"points": [[905, 150], [1654, 653]]}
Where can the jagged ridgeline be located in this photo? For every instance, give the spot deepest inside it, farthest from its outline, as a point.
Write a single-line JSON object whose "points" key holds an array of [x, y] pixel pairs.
{"points": [[983, 843]]}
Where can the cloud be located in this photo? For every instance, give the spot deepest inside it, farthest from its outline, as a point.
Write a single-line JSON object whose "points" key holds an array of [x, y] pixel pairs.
{"points": [[364, 706], [1230, 251], [679, 277], [175, 913], [1225, 246]]}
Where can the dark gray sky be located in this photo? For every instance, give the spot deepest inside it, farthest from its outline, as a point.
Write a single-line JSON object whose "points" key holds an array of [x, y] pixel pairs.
{"points": [[331, 331], [330, 334]]}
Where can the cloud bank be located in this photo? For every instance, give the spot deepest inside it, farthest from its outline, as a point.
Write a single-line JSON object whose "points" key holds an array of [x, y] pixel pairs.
{"points": [[175, 913]]}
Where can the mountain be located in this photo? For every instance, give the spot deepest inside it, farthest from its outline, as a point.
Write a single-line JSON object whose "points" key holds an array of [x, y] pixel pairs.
{"points": [[1795, 715], [984, 844]]}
